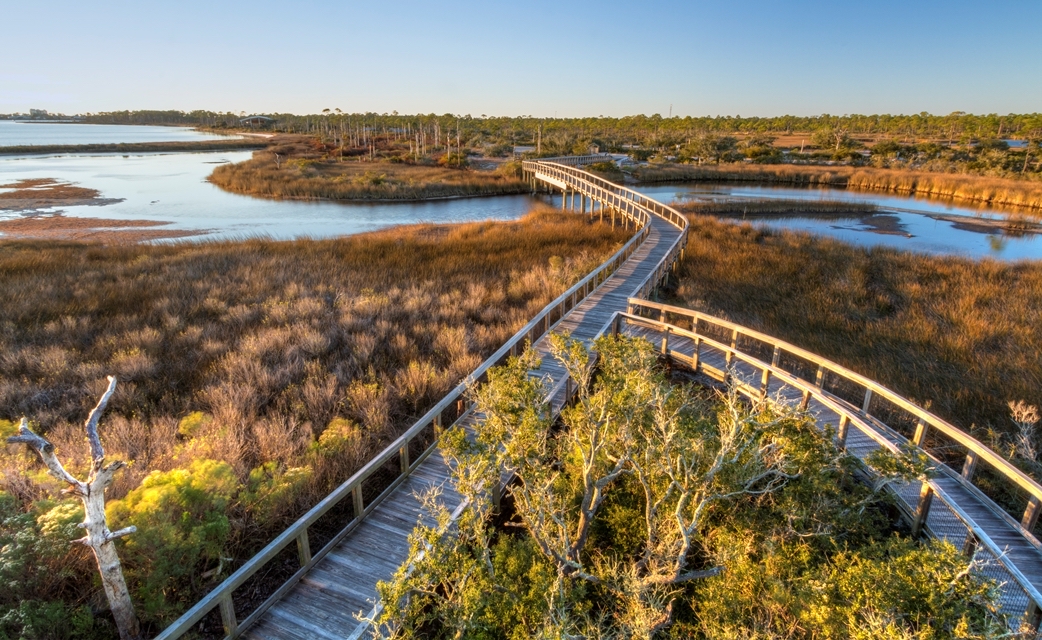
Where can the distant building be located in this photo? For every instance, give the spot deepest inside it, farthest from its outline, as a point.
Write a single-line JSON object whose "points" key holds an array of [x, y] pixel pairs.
{"points": [[257, 121], [37, 113]]}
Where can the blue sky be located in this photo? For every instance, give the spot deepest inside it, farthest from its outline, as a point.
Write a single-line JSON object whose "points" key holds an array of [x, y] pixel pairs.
{"points": [[746, 57]]}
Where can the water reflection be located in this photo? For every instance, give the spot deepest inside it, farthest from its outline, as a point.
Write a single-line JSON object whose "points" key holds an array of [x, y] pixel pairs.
{"points": [[913, 224], [173, 188]]}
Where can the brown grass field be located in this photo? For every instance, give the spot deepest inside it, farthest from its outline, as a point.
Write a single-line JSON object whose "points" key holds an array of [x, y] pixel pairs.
{"points": [[1022, 195], [262, 345], [958, 335]]}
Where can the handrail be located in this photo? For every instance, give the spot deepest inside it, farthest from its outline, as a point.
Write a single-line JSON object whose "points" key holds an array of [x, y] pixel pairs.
{"points": [[619, 198], [926, 420], [848, 415], [221, 596]]}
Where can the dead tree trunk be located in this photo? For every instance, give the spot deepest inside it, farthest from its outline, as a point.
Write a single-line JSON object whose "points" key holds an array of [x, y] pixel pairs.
{"points": [[92, 493]]}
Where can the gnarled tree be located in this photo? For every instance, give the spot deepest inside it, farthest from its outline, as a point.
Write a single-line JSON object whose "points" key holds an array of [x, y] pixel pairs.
{"points": [[92, 493]]}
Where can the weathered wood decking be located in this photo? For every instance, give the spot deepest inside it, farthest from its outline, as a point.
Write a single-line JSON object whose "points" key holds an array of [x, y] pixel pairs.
{"points": [[326, 602]]}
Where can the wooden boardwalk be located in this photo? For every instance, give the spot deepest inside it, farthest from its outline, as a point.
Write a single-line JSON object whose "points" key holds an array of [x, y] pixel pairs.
{"points": [[334, 587], [963, 516], [326, 602]]}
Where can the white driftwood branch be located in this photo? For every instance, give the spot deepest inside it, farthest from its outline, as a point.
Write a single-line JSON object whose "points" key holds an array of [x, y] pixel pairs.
{"points": [[46, 452], [97, 453], [92, 494]]}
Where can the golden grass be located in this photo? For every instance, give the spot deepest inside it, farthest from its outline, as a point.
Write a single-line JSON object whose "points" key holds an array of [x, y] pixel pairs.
{"points": [[272, 340], [960, 334], [300, 174], [998, 192]]}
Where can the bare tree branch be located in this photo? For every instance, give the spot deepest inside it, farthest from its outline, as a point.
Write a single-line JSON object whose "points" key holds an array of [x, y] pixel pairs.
{"points": [[97, 453]]}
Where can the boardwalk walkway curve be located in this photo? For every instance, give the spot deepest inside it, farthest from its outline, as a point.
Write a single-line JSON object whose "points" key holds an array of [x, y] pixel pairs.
{"points": [[954, 505], [375, 510]]}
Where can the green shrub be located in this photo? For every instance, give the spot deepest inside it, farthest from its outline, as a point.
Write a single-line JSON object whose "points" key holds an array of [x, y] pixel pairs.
{"points": [[183, 529]]}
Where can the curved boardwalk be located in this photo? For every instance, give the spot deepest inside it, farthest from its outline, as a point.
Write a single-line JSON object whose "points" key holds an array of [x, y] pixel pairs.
{"points": [[325, 601], [865, 417], [336, 585], [326, 590]]}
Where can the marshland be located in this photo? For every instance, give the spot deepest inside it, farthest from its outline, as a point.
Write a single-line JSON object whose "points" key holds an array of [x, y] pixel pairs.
{"points": [[265, 371], [257, 374]]}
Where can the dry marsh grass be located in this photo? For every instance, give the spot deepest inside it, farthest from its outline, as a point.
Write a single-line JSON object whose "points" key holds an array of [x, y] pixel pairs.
{"points": [[301, 171], [262, 345], [959, 334], [998, 192]]}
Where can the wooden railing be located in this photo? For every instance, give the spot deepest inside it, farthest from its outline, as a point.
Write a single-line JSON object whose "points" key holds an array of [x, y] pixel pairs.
{"points": [[871, 407], [617, 199], [412, 447]]}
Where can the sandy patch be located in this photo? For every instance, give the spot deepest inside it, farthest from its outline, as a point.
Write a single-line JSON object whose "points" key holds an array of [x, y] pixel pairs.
{"points": [[108, 231], [47, 193]]}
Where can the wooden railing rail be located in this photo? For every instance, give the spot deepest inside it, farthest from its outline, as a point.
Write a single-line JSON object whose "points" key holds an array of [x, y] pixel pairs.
{"points": [[619, 199], [849, 416], [926, 421], [454, 405]]}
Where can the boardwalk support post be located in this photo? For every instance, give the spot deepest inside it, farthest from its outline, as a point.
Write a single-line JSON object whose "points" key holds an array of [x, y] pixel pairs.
{"points": [[841, 434], [922, 510], [303, 548], [1031, 514], [231, 625]]}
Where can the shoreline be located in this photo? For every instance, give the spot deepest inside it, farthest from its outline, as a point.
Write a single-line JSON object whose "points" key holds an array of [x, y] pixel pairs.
{"points": [[135, 147]]}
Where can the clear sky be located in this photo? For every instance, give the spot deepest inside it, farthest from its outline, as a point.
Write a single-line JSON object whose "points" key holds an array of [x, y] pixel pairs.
{"points": [[569, 58]]}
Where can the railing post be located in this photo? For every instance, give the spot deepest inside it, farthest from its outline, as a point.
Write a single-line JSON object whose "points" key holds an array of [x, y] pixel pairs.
{"points": [[920, 432], [615, 325], [1031, 514], [969, 545], [776, 356], [805, 402], [969, 466], [868, 401], [694, 358], [303, 548], [1032, 616], [665, 342], [765, 381], [231, 625], [356, 495], [403, 457], [437, 425], [819, 378], [922, 510], [841, 433]]}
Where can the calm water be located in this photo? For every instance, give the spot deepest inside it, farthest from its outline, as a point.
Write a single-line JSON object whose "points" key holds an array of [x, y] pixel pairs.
{"points": [[902, 222], [173, 188], [22, 133]]}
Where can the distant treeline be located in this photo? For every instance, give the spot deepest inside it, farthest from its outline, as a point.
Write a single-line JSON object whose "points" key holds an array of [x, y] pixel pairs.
{"points": [[654, 130]]}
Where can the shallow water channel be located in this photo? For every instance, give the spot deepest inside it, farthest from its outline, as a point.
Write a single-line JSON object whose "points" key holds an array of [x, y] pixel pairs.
{"points": [[172, 187], [901, 222]]}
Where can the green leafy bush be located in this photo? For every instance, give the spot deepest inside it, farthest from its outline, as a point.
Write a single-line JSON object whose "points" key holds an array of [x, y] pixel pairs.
{"points": [[182, 533]]}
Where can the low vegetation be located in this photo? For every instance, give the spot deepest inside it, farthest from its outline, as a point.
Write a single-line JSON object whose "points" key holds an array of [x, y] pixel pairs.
{"points": [[982, 190], [307, 169], [656, 509], [253, 377], [959, 336]]}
